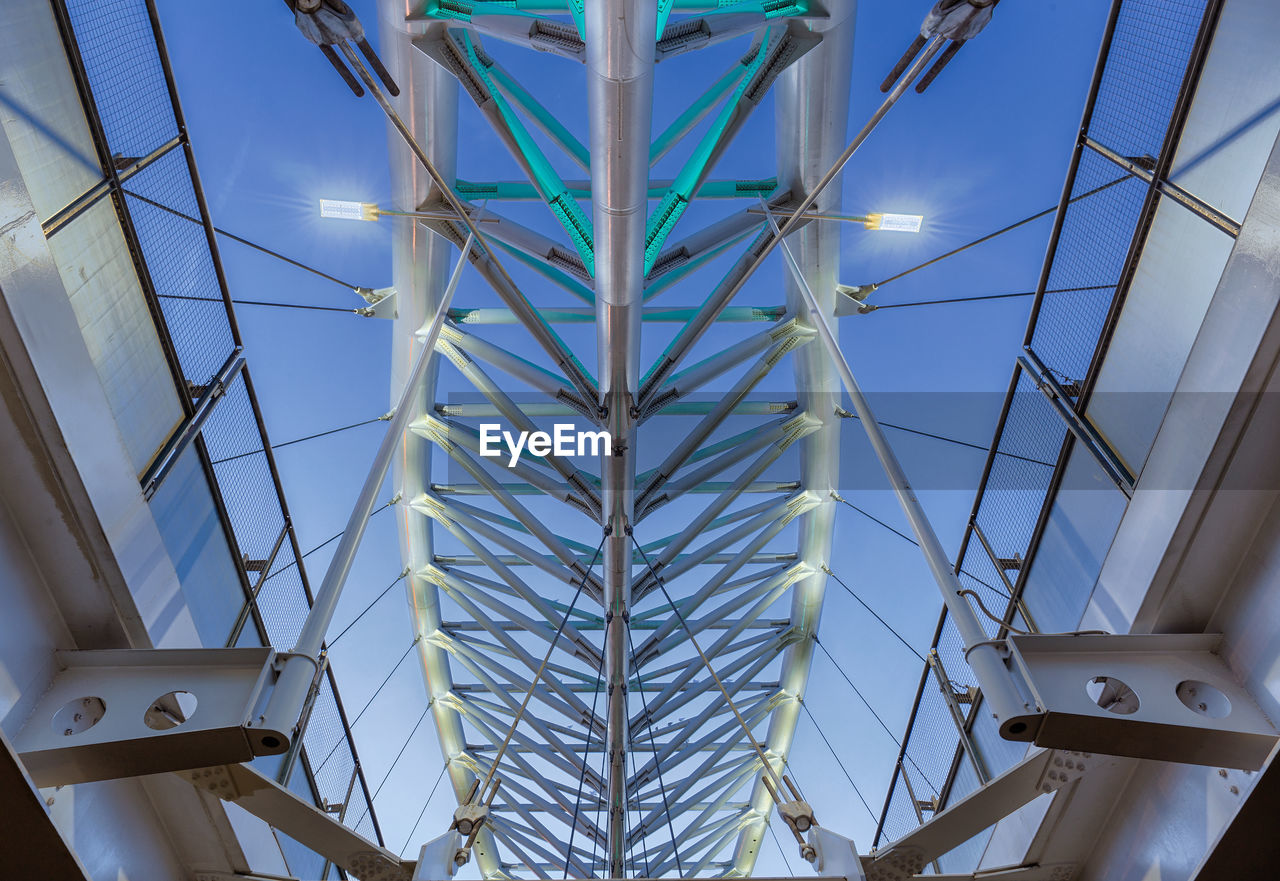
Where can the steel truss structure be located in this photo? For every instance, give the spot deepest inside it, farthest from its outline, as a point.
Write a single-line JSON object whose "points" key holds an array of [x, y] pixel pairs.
{"points": [[629, 760]]}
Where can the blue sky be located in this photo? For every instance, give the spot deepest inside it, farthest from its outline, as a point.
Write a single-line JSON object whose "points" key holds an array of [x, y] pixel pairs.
{"points": [[274, 129]]}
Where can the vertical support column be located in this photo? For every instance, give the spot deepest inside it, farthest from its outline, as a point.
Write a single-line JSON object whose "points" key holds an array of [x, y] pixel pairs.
{"points": [[620, 58]]}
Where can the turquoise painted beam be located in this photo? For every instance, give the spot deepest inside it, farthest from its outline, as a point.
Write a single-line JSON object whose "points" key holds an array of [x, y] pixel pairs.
{"points": [[524, 191], [686, 121], [549, 272], [673, 205], [577, 315], [672, 276], [664, 12], [544, 177], [463, 10], [543, 118]]}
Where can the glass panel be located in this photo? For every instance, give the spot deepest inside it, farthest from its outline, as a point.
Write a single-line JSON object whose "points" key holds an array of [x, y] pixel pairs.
{"points": [[1082, 522], [1236, 111], [303, 862], [965, 857], [44, 120], [1177, 275], [111, 309], [184, 511], [998, 755]]}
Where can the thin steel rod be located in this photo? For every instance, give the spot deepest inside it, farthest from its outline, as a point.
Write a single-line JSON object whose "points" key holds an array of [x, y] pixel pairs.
{"points": [[768, 768], [983, 657], [554, 348], [844, 218], [286, 701], [582, 778], [542, 668], [653, 745], [235, 238]]}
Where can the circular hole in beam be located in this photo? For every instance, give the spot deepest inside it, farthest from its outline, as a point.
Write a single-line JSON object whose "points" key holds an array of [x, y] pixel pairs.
{"points": [[1113, 695], [78, 716], [1203, 699], [170, 710]]}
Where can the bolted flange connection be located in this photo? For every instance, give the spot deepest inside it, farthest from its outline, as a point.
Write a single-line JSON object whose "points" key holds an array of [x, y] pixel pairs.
{"points": [[470, 816], [796, 812]]}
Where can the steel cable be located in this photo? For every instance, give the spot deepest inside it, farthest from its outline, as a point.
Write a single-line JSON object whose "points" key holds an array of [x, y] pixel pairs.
{"points": [[1092, 287], [582, 583], [235, 238], [871, 709], [836, 756], [864, 605], [260, 303], [586, 751], [300, 440], [369, 703], [903, 535], [423, 812], [662, 787], [356, 619], [989, 236], [751, 738], [330, 540]]}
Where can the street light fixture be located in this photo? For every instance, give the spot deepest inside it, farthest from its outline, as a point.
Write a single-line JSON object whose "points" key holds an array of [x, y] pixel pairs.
{"points": [[879, 221], [894, 222], [339, 209]]}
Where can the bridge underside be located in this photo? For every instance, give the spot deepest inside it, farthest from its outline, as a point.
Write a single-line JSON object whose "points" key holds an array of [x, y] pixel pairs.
{"points": [[708, 523]]}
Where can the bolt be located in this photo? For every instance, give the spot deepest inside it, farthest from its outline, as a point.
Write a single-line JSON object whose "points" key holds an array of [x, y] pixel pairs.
{"points": [[1222, 772], [1235, 790]]}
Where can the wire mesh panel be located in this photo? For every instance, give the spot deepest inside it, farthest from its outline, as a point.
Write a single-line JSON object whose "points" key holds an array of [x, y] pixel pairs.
{"points": [[125, 73], [1087, 265], [181, 265], [1145, 65]]}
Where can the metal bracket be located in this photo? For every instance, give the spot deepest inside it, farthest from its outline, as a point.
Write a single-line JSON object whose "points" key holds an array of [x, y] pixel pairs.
{"points": [[208, 396], [1078, 425], [835, 856], [1168, 697], [129, 712], [851, 299], [954, 698], [301, 821], [899, 864], [1065, 767], [436, 858], [1038, 773]]}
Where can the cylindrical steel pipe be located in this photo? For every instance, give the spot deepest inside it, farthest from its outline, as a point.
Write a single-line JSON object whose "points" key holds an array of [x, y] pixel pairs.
{"points": [[620, 59]]}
